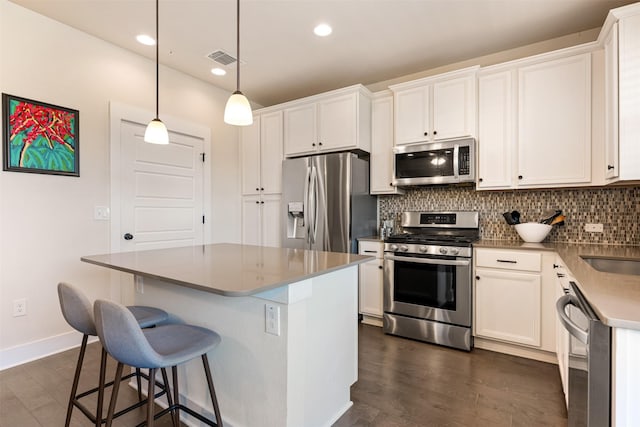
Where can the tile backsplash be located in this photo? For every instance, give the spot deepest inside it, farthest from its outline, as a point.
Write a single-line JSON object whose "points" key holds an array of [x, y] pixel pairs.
{"points": [[618, 209]]}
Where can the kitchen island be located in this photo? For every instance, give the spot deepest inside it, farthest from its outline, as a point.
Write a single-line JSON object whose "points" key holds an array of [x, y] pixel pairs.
{"points": [[287, 317]]}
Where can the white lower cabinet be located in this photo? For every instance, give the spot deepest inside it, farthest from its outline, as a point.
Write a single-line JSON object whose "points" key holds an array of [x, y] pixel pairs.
{"points": [[514, 297], [261, 220], [508, 306], [370, 282]]}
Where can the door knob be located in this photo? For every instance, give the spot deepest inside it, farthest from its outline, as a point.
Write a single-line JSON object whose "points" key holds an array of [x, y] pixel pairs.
{"points": [[128, 236]]}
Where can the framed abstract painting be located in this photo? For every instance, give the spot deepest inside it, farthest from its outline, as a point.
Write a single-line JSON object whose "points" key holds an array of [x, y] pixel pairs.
{"points": [[39, 137]]}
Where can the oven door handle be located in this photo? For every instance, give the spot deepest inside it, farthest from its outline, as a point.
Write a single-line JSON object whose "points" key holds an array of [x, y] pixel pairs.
{"points": [[572, 327], [428, 260]]}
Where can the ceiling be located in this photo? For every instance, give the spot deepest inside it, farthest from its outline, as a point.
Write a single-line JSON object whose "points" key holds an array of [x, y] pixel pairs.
{"points": [[372, 40]]}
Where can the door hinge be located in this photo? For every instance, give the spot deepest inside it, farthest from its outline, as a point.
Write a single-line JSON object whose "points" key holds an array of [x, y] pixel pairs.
{"points": [[203, 219], [202, 154]]}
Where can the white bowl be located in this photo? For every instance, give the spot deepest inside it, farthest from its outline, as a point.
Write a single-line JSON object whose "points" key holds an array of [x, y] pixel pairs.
{"points": [[533, 232]]}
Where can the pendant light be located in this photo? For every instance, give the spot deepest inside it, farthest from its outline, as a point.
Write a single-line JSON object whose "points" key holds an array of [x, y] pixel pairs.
{"points": [[156, 132], [238, 110]]}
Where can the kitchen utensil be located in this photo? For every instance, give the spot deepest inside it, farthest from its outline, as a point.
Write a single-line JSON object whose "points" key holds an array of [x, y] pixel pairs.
{"points": [[550, 215], [507, 216], [516, 216], [533, 232], [559, 220]]}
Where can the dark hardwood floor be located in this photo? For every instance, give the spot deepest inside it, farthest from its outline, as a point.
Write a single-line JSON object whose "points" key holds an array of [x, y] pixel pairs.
{"points": [[401, 383], [408, 383]]}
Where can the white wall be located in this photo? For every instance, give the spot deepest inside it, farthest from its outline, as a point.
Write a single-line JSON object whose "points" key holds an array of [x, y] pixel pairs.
{"points": [[46, 221]]}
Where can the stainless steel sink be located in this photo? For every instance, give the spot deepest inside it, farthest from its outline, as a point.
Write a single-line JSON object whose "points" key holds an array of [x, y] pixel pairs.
{"points": [[614, 265]]}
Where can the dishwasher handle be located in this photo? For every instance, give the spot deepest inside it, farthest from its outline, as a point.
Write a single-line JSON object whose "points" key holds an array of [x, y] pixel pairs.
{"points": [[570, 325]]}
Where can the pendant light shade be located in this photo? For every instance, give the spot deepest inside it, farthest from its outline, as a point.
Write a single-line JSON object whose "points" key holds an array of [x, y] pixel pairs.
{"points": [[238, 110], [156, 132]]}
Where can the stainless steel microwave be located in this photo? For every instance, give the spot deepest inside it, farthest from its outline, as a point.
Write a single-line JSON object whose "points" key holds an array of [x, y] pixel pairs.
{"points": [[442, 162]]}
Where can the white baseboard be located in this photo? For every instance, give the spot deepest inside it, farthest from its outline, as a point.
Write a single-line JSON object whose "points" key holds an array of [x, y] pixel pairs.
{"points": [[20, 354]]}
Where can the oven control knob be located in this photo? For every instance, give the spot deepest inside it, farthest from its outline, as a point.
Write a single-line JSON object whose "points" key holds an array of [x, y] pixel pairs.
{"points": [[443, 251], [423, 249], [454, 251], [404, 248], [393, 248]]}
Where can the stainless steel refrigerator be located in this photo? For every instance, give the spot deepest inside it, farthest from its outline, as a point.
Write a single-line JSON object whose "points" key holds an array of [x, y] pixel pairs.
{"points": [[326, 203]]}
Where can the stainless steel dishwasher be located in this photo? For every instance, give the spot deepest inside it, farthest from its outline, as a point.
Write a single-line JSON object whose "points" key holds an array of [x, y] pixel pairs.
{"points": [[590, 389]]}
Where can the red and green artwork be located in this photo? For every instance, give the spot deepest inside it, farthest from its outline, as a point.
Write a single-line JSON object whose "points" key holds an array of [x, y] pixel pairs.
{"points": [[39, 137]]}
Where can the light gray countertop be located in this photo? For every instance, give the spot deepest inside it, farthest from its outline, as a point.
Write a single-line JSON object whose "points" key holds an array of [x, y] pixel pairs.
{"points": [[614, 297], [228, 269]]}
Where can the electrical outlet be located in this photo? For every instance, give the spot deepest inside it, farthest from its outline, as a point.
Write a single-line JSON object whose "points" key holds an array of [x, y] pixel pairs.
{"points": [[20, 307], [272, 319], [594, 228], [139, 285]]}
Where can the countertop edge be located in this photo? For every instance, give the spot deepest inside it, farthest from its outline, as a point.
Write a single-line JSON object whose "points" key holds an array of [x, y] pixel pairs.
{"points": [[251, 292]]}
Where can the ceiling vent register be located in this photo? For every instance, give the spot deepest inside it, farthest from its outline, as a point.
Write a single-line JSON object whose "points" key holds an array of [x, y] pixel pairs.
{"points": [[221, 57]]}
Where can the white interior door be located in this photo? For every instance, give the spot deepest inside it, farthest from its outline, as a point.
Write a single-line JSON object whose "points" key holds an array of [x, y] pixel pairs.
{"points": [[162, 186]]}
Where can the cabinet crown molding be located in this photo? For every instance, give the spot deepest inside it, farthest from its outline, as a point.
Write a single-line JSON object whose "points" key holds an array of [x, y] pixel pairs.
{"points": [[464, 72]]}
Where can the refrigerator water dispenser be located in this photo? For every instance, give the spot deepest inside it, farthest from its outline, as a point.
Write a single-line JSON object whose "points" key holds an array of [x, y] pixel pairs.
{"points": [[295, 220]]}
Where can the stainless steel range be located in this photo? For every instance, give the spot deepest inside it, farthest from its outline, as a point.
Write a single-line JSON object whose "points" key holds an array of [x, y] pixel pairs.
{"points": [[427, 278]]}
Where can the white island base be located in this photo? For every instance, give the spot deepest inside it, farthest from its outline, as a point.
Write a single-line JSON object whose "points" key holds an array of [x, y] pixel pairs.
{"points": [[301, 377]]}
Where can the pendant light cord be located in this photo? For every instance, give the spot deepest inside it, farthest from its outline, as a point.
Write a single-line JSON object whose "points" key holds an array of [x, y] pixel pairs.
{"points": [[157, 62], [238, 44]]}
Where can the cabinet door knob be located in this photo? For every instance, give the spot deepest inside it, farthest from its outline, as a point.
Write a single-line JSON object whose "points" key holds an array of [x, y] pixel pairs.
{"points": [[479, 179], [477, 277], [257, 189], [261, 188], [257, 202], [313, 144], [519, 176], [435, 132], [380, 267], [128, 236], [426, 134], [262, 202], [391, 184], [319, 143], [609, 167]]}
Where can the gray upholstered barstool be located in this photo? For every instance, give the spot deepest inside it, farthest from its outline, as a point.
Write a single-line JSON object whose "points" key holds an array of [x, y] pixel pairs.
{"points": [[161, 347], [78, 312]]}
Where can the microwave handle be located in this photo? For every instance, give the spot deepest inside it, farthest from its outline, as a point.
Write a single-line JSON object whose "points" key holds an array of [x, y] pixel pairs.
{"points": [[463, 263], [456, 151]]}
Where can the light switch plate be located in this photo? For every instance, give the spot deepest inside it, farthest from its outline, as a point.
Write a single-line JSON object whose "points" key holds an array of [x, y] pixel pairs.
{"points": [[594, 228], [272, 319], [101, 213]]}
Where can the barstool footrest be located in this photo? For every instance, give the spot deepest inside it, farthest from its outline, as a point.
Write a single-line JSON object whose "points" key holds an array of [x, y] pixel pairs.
{"points": [[184, 408]]}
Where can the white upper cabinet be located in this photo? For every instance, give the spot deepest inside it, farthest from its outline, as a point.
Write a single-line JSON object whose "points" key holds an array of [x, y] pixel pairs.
{"points": [[554, 122], [381, 160], [261, 154], [334, 121], [534, 127], [496, 130], [621, 39], [435, 108]]}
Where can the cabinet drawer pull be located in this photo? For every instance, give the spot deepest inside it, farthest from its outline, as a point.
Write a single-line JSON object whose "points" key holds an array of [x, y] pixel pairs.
{"points": [[609, 167], [508, 261], [370, 252]]}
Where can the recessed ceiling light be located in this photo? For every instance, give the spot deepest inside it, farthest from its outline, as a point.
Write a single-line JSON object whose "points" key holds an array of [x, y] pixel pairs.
{"points": [[145, 39], [322, 30], [218, 71]]}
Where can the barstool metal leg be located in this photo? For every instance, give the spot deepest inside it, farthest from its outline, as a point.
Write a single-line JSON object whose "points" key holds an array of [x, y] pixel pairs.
{"points": [[151, 397], [139, 384], [101, 386], [176, 391], [114, 395], [174, 420], [214, 399], [76, 379]]}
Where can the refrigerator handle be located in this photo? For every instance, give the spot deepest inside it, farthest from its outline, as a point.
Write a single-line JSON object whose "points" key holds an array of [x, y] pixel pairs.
{"points": [[313, 205], [306, 214]]}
